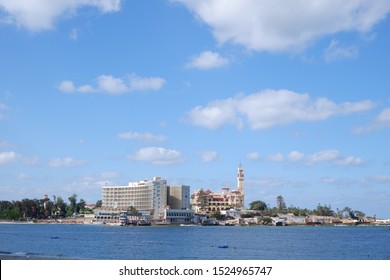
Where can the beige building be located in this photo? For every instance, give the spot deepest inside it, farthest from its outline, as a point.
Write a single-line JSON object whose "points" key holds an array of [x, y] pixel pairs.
{"points": [[207, 201], [179, 197], [147, 196]]}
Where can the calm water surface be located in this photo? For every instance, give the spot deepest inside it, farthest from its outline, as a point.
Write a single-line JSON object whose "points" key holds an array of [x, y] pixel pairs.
{"points": [[170, 243]]}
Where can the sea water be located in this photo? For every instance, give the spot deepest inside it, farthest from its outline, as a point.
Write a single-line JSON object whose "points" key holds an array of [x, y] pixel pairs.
{"points": [[93, 242]]}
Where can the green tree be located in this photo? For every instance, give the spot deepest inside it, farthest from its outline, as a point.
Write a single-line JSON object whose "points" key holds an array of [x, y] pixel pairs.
{"points": [[218, 215], [60, 207], [72, 206], [359, 213], [258, 205], [280, 203], [266, 221], [133, 211], [325, 210], [98, 204], [81, 206]]}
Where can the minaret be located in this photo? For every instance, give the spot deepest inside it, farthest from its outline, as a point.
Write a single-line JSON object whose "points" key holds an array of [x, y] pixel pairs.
{"points": [[240, 184]]}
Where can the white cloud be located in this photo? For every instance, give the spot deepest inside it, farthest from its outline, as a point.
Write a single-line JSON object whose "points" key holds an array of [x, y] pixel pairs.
{"points": [[334, 157], [285, 25], [382, 121], [114, 85], [148, 137], [37, 15], [337, 52], [207, 60], [323, 156], [157, 156], [68, 86], [277, 157], [253, 156], [209, 156], [142, 84], [350, 161], [66, 162], [215, 114], [8, 157], [271, 108], [295, 156], [331, 156]]}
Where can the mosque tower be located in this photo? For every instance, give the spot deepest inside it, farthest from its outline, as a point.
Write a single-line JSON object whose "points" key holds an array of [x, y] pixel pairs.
{"points": [[240, 184]]}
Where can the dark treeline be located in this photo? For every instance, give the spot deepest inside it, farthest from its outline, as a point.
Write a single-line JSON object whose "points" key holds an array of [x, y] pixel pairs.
{"points": [[321, 210], [29, 209]]}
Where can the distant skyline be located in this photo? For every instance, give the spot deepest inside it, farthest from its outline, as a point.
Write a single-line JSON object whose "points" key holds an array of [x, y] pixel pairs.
{"points": [[113, 91]]}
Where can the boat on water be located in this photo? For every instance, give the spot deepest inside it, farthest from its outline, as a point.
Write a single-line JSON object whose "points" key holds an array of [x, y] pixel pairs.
{"points": [[143, 223], [210, 223]]}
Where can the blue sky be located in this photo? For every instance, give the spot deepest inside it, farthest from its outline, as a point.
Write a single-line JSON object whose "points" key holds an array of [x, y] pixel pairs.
{"points": [[95, 92]]}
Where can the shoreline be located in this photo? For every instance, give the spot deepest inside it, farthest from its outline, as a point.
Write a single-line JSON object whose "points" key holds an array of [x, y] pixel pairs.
{"points": [[14, 257], [89, 222]]}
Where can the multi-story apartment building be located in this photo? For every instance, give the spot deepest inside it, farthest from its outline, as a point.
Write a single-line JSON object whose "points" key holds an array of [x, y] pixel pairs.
{"points": [[147, 196], [179, 197]]}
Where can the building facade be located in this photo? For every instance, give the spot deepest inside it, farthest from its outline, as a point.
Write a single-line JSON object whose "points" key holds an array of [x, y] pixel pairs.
{"points": [[178, 216], [179, 197], [207, 201], [148, 196]]}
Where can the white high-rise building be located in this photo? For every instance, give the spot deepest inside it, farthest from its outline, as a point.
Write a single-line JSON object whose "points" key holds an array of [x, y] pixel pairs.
{"points": [[148, 196]]}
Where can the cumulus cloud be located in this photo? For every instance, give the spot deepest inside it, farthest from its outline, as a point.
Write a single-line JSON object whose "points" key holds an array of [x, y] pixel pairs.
{"points": [[209, 156], [285, 26], [147, 137], [207, 60], [334, 157], [37, 15], [68, 86], [157, 156], [277, 157], [141, 84], [8, 157], [271, 108], [382, 121], [295, 156], [335, 51], [331, 156], [253, 156], [66, 162], [114, 85], [350, 161], [323, 156]]}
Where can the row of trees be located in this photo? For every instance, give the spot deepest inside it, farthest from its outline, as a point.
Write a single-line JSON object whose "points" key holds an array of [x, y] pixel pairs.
{"points": [[45, 208], [321, 210]]}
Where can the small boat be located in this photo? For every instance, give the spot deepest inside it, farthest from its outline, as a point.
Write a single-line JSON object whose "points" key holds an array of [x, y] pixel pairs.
{"points": [[143, 223]]}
